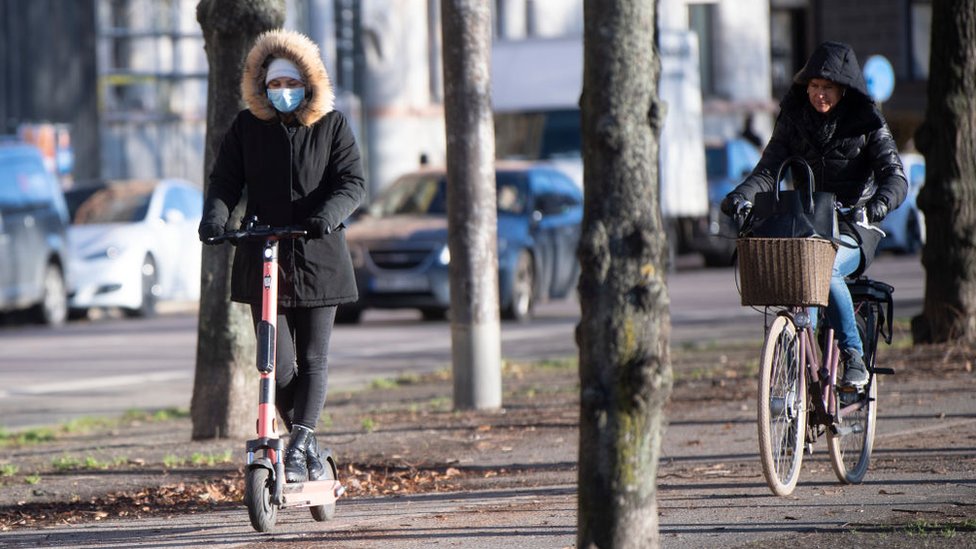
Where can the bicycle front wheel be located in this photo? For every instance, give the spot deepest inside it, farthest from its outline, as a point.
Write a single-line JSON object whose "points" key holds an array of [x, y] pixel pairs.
{"points": [[782, 407]]}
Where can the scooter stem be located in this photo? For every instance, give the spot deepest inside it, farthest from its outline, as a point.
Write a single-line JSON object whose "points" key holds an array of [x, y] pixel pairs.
{"points": [[269, 316]]}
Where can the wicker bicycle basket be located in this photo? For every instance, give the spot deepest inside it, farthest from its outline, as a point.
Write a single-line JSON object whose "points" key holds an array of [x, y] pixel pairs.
{"points": [[785, 271]]}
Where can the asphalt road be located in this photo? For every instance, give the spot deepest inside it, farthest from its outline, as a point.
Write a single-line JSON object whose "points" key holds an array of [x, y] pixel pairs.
{"points": [[107, 366]]}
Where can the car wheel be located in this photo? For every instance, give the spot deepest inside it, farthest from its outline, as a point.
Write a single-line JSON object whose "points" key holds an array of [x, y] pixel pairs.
{"points": [[432, 314], [720, 258], [915, 232], [150, 291], [346, 314], [53, 308], [77, 314], [522, 299]]}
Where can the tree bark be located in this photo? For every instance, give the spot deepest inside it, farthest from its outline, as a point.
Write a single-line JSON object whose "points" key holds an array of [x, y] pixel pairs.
{"points": [[947, 138], [624, 329], [471, 216], [225, 386]]}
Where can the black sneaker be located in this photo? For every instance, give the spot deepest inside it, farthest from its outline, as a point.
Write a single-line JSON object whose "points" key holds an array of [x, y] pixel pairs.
{"points": [[855, 373]]}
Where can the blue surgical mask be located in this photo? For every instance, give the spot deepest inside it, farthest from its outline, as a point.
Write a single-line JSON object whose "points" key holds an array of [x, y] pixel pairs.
{"points": [[286, 99]]}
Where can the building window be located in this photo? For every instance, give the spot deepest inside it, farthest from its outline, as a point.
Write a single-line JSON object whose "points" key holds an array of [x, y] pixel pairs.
{"points": [[921, 36], [701, 20], [787, 39]]}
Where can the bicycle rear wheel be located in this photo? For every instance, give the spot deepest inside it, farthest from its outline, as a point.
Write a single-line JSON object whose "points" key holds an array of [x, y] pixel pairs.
{"points": [[851, 445], [782, 407]]}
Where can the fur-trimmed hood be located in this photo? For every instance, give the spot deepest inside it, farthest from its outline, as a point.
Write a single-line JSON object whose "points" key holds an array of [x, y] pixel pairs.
{"points": [[299, 49]]}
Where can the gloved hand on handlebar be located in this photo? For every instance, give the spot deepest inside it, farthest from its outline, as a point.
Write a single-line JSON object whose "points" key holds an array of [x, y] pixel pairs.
{"points": [[209, 230], [737, 207], [317, 227], [876, 209]]}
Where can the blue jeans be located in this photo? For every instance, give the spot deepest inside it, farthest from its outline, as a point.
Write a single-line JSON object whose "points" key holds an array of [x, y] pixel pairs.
{"points": [[840, 306]]}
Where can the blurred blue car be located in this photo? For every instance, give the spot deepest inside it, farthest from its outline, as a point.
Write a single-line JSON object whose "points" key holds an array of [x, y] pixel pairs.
{"points": [[399, 245], [905, 226], [726, 165]]}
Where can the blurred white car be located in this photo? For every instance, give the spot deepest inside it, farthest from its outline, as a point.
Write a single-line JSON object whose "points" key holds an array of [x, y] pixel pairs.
{"points": [[905, 226], [134, 244]]}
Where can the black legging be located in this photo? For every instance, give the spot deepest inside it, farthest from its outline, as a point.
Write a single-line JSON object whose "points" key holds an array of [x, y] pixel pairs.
{"points": [[302, 365]]}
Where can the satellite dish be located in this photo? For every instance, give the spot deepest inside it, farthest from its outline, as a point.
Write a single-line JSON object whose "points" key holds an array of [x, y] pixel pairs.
{"points": [[880, 78]]}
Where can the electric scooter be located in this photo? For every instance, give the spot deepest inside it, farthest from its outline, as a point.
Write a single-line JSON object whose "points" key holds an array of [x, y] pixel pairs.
{"points": [[265, 489]]}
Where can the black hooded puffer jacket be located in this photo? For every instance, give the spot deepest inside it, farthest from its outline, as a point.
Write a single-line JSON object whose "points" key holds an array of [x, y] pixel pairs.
{"points": [[858, 161]]}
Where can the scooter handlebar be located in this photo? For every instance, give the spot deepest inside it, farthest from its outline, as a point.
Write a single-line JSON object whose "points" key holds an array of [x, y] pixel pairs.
{"points": [[261, 233]]}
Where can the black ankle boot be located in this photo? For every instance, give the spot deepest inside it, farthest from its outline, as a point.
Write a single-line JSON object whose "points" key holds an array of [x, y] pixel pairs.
{"points": [[313, 459], [296, 469]]}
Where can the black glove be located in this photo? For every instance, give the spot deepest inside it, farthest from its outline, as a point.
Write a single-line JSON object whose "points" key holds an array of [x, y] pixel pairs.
{"points": [[209, 230], [877, 209], [317, 227], [737, 207], [734, 203]]}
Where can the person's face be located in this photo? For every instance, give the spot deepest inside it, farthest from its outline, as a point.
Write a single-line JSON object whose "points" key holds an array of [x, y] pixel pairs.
{"points": [[824, 94], [284, 82]]}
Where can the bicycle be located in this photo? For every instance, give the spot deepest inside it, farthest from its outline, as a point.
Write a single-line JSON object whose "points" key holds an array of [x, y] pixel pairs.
{"points": [[265, 490], [799, 400]]}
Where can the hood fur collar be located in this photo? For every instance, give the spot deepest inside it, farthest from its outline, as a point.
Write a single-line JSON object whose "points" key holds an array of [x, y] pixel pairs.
{"points": [[299, 49]]}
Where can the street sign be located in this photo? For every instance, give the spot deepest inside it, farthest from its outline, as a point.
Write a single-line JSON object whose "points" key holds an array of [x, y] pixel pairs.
{"points": [[880, 78]]}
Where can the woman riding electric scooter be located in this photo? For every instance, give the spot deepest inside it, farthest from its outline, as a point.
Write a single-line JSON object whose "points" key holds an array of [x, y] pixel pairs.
{"points": [[299, 162]]}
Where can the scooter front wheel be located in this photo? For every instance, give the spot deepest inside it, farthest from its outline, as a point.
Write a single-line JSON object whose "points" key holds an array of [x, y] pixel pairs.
{"points": [[258, 487]]}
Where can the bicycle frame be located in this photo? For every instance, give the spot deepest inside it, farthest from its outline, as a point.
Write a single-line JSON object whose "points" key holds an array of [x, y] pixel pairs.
{"points": [[821, 368]]}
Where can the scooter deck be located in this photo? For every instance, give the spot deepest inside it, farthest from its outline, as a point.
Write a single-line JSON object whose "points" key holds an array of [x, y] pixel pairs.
{"points": [[311, 493]]}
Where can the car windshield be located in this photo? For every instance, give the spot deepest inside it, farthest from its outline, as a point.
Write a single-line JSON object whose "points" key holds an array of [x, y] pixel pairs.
{"points": [[426, 194], [116, 203]]}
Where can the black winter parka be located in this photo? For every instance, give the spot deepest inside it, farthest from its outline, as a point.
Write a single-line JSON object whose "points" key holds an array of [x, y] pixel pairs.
{"points": [[860, 159], [291, 172]]}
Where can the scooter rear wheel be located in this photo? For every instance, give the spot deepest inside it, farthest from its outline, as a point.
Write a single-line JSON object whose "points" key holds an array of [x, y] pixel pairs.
{"points": [[323, 513], [258, 486]]}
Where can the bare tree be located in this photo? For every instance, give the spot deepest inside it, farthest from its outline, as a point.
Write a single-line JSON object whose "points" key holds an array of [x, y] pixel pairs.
{"points": [[624, 330], [225, 384], [948, 199], [471, 217]]}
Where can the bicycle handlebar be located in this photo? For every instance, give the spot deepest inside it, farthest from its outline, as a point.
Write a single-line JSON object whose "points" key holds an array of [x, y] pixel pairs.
{"points": [[260, 232]]}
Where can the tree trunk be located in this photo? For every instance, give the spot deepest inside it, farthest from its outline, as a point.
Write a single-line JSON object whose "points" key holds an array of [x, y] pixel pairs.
{"points": [[471, 217], [624, 330], [225, 386], [948, 199]]}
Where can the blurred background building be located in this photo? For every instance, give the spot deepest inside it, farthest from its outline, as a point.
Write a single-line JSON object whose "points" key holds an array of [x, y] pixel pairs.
{"points": [[127, 78]]}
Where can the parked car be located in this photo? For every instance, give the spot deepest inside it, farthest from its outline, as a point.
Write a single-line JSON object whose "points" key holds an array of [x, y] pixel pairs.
{"points": [[726, 165], [904, 227], [399, 246], [135, 244], [33, 240]]}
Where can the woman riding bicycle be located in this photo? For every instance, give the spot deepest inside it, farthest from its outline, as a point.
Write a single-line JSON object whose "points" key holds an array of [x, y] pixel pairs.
{"points": [[828, 118]]}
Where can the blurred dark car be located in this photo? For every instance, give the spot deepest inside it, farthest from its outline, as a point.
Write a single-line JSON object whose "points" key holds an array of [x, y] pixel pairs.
{"points": [[135, 244], [399, 246], [727, 164], [33, 239], [905, 226]]}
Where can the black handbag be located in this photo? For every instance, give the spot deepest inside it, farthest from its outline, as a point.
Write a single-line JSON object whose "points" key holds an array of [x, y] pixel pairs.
{"points": [[797, 213]]}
